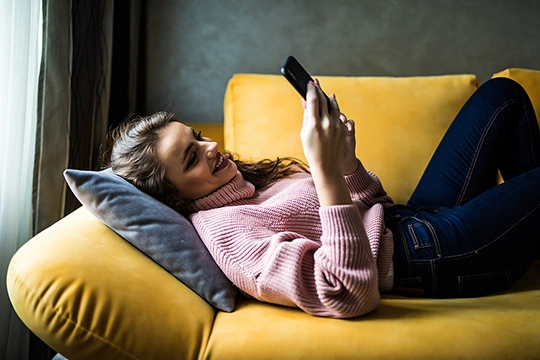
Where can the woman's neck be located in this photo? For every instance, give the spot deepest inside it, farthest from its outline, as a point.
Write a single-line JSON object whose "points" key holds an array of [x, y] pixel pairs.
{"points": [[234, 190]]}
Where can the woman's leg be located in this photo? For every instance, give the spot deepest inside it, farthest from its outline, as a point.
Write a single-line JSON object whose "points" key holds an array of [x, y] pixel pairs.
{"points": [[475, 237], [498, 232], [496, 130]]}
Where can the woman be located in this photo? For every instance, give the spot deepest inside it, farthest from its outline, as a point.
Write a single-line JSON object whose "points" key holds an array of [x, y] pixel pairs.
{"points": [[328, 240]]}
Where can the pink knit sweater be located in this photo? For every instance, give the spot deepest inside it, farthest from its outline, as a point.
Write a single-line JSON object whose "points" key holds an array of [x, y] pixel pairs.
{"points": [[278, 245]]}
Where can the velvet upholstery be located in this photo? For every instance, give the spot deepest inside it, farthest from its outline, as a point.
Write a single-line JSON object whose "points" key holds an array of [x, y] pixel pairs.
{"points": [[263, 117], [89, 294]]}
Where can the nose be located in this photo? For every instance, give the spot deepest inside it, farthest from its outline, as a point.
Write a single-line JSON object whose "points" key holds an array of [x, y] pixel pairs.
{"points": [[212, 149]]}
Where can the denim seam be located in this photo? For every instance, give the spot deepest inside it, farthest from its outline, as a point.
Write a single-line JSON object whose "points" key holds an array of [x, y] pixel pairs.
{"points": [[478, 149], [433, 276], [436, 241], [506, 271], [404, 242], [475, 252], [530, 132], [417, 244], [462, 279], [413, 234], [435, 237]]}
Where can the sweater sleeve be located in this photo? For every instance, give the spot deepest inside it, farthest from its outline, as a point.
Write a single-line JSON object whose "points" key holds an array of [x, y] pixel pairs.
{"points": [[336, 277], [366, 188]]}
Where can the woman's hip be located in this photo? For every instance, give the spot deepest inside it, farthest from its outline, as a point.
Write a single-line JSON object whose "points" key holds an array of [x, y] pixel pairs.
{"points": [[435, 256]]}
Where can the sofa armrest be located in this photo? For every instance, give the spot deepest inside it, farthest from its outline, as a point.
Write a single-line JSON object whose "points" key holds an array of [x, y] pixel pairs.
{"points": [[78, 285]]}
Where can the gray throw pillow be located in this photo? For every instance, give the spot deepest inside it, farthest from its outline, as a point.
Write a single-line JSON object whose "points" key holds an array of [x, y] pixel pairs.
{"points": [[157, 230]]}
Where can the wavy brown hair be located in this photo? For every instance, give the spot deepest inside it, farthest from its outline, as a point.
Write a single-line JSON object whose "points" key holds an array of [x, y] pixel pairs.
{"points": [[133, 156]]}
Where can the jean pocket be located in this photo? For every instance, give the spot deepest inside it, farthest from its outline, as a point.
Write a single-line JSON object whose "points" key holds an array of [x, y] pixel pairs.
{"points": [[421, 233], [482, 284]]}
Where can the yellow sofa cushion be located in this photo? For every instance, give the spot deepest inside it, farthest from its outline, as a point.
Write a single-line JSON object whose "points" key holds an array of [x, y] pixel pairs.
{"points": [[263, 117], [399, 123], [91, 295], [502, 326]]}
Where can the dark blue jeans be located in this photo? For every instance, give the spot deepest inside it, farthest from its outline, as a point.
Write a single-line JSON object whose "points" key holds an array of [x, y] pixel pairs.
{"points": [[461, 234]]}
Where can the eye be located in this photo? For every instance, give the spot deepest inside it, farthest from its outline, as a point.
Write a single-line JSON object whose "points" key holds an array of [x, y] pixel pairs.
{"points": [[192, 159], [193, 156]]}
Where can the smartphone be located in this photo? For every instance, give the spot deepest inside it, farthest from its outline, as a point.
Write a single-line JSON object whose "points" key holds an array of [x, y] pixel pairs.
{"points": [[297, 76]]}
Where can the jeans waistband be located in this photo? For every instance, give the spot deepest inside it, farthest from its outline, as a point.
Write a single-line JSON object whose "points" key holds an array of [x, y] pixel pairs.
{"points": [[397, 212]]}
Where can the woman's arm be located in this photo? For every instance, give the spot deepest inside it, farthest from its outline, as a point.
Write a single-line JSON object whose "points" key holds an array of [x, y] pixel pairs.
{"points": [[366, 188], [329, 142], [334, 277]]}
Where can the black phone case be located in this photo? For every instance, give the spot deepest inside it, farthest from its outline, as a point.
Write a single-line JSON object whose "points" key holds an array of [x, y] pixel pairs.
{"points": [[296, 74]]}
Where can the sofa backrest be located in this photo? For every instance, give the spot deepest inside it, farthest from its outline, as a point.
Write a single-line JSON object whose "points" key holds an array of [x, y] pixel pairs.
{"points": [[399, 121]]}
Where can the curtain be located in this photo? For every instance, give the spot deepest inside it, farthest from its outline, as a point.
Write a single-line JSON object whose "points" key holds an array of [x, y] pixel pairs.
{"points": [[91, 26], [20, 52], [73, 99], [52, 140], [128, 80], [57, 61], [92, 71], [90, 76]]}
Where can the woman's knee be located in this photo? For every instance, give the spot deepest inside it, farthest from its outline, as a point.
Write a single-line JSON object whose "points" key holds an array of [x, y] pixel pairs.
{"points": [[502, 85]]}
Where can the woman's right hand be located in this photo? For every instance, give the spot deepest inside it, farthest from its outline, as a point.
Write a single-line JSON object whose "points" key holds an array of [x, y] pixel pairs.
{"points": [[323, 136], [323, 133]]}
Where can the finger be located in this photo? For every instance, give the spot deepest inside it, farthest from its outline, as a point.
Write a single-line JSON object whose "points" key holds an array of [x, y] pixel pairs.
{"points": [[327, 101], [334, 106], [312, 100], [323, 103], [350, 127], [343, 118], [304, 104]]}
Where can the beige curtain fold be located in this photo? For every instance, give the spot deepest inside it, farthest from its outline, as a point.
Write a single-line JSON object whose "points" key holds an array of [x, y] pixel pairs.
{"points": [[54, 102], [73, 100], [92, 33]]}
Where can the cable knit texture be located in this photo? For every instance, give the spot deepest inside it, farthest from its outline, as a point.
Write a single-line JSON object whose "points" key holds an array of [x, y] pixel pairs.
{"points": [[278, 245]]}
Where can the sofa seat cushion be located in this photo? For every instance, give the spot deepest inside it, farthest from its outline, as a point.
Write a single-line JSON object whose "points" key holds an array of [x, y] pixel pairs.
{"points": [[501, 326]]}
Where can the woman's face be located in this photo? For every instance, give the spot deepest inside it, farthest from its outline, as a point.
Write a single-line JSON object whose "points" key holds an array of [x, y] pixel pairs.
{"points": [[193, 163]]}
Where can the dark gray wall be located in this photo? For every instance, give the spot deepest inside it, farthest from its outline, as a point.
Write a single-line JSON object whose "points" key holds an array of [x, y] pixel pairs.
{"points": [[195, 46]]}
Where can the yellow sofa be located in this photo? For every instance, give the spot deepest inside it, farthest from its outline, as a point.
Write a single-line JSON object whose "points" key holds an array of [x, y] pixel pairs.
{"points": [[91, 295]]}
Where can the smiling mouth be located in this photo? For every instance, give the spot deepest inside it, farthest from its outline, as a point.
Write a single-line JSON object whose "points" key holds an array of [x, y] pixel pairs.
{"points": [[221, 163]]}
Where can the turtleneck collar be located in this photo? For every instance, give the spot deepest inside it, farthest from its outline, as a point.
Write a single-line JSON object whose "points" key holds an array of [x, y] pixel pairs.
{"points": [[234, 190]]}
